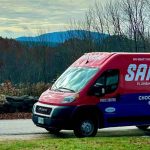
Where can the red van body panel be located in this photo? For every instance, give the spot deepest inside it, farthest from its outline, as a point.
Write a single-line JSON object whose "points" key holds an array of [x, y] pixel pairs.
{"points": [[53, 97], [104, 61]]}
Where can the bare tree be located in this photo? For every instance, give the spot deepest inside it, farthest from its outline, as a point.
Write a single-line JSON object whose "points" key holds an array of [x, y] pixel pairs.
{"points": [[135, 16], [123, 18]]}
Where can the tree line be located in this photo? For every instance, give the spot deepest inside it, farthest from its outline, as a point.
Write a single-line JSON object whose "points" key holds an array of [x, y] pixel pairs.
{"points": [[125, 22]]}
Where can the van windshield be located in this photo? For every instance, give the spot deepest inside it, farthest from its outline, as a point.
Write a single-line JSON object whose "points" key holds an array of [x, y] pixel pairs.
{"points": [[74, 79]]}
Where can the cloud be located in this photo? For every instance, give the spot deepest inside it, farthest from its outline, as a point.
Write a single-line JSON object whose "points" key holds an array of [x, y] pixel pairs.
{"points": [[19, 15]]}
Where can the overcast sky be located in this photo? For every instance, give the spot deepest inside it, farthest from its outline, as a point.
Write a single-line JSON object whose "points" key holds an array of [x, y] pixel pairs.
{"points": [[26, 17]]}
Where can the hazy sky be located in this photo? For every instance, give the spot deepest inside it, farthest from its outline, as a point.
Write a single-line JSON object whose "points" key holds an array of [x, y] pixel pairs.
{"points": [[27, 17]]}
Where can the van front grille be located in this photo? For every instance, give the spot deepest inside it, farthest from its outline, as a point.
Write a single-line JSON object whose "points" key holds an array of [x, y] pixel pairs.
{"points": [[43, 110]]}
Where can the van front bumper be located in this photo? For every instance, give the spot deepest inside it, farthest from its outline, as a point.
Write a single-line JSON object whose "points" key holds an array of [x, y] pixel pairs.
{"points": [[50, 116]]}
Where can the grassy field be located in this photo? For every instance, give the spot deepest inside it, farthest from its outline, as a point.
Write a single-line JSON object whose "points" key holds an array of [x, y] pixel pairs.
{"points": [[96, 143]]}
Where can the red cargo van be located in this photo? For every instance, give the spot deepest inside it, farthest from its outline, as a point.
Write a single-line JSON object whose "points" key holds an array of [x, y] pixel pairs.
{"points": [[98, 90]]}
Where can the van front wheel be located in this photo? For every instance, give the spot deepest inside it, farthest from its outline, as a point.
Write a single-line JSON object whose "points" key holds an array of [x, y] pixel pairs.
{"points": [[85, 128], [143, 127]]}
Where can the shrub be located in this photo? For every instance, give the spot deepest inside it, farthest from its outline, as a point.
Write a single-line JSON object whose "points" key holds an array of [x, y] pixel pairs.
{"points": [[7, 88], [2, 99]]}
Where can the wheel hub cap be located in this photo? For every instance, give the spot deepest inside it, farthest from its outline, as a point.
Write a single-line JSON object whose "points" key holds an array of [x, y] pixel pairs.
{"points": [[87, 128]]}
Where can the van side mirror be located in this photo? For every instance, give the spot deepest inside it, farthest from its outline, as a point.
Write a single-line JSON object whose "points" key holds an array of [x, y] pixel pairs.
{"points": [[97, 90]]}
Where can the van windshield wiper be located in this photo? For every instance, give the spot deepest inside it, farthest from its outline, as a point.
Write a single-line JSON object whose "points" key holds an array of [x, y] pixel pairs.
{"points": [[65, 89]]}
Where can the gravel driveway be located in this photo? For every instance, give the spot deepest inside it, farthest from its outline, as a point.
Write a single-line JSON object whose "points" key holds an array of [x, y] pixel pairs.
{"points": [[20, 129], [25, 129]]}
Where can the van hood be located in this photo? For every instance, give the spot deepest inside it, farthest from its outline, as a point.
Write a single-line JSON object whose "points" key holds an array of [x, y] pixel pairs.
{"points": [[54, 97]]}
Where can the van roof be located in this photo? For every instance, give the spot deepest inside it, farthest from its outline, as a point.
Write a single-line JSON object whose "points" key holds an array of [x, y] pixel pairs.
{"points": [[96, 59], [93, 59]]}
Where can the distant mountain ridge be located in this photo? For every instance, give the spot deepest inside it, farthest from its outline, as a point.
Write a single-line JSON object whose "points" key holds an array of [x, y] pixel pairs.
{"points": [[62, 36]]}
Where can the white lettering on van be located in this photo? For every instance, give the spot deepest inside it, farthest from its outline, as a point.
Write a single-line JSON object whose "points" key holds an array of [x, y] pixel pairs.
{"points": [[93, 57], [148, 75], [144, 98], [108, 100], [140, 73], [130, 75]]}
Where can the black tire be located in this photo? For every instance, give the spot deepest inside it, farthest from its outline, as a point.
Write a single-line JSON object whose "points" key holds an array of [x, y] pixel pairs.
{"points": [[145, 127], [53, 130], [86, 127]]}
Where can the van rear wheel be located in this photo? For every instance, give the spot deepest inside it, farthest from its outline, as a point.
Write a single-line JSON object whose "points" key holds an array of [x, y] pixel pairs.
{"points": [[85, 128], [143, 127]]}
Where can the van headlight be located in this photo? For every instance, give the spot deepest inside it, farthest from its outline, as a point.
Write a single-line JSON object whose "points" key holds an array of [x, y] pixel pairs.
{"points": [[70, 99]]}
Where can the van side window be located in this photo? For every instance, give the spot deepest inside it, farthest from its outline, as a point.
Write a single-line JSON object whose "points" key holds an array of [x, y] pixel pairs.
{"points": [[109, 79], [101, 80]]}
